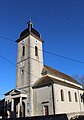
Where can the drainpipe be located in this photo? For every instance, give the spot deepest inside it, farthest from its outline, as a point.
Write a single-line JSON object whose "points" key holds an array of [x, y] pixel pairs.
{"points": [[79, 100], [53, 98]]}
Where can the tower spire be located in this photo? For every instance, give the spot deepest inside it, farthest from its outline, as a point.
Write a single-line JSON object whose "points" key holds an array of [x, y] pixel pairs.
{"points": [[30, 26]]}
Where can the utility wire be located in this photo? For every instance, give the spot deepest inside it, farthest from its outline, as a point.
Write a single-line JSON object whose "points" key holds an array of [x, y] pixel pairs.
{"points": [[15, 65], [77, 61], [64, 57], [7, 38], [7, 60], [61, 56], [32, 59]]}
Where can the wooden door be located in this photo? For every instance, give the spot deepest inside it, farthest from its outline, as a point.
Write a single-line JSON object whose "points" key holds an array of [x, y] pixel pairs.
{"points": [[46, 110]]}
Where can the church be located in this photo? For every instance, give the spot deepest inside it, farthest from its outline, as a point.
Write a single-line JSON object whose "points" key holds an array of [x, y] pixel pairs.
{"points": [[40, 89]]}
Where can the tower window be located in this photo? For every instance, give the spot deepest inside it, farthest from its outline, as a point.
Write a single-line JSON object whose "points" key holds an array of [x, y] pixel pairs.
{"points": [[75, 97], [81, 98], [69, 95], [22, 72], [23, 51], [36, 51], [62, 95]]}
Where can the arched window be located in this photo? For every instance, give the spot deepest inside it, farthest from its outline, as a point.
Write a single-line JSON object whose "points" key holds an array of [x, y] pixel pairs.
{"points": [[23, 51], [62, 95], [69, 95], [81, 98], [36, 51], [76, 97]]}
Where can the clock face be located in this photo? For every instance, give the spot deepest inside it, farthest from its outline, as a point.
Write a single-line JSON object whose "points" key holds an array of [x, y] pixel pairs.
{"points": [[22, 64], [23, 41], [36, 41]]}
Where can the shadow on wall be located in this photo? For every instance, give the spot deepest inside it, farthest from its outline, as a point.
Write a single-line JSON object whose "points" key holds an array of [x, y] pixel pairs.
{"points": [[49, 117], [78, 118]]}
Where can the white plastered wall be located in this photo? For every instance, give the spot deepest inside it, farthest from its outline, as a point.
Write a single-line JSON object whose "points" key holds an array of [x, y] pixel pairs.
{"points": [[42, 97], [66, 106]]}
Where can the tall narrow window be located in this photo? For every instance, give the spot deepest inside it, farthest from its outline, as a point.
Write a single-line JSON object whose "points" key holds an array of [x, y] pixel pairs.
{"points": [[36, 51], [23, 51], [69, 95], [62, 95], [81, 98], [76, 97]]}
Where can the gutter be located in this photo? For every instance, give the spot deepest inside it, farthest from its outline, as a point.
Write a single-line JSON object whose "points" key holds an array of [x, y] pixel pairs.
{"points": [[53, 97]]}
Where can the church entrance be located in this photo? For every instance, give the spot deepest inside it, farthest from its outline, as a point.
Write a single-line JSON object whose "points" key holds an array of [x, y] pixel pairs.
{"points": [[18, 103], [19, 108], [46, 110]]}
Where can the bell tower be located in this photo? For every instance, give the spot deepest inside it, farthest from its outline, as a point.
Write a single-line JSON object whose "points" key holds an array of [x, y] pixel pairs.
{"points": [[29, 61]]}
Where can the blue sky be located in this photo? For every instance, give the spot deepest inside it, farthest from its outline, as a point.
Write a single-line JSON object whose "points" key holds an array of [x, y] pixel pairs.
{"points": [[61, 24]]}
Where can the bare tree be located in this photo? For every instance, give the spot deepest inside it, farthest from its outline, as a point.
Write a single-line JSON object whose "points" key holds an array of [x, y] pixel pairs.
{"points": [[79, 78]]}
